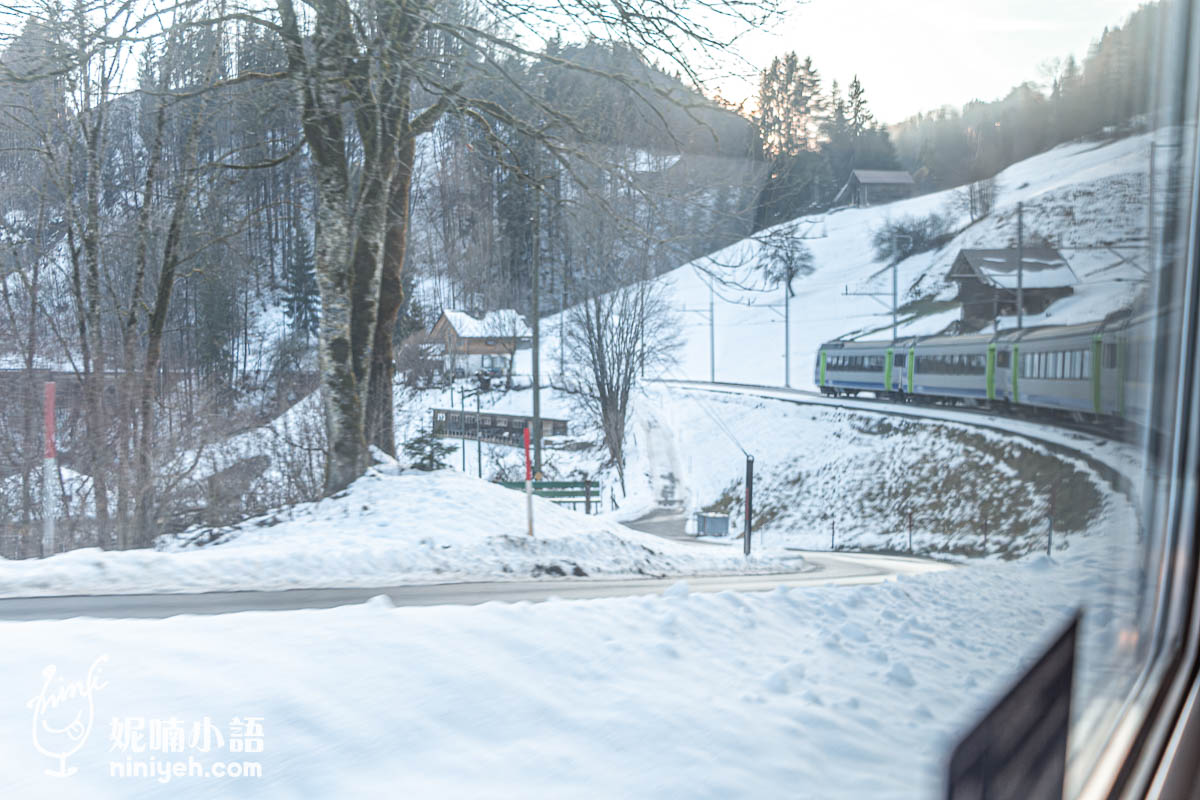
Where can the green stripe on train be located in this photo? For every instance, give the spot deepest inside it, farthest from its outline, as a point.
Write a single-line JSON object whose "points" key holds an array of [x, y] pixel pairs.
{"points": [[991, 371], [821, 362], [1096, 373], [1122, 343], [887, 370], [911, 363], [1016, 370]]}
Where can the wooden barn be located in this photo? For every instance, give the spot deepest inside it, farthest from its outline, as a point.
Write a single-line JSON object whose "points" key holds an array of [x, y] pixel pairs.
{"points": [[869, 187], [987, 282]]}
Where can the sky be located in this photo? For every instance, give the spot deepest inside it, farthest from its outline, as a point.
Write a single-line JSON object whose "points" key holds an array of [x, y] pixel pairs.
{"points": [[919, 55]]}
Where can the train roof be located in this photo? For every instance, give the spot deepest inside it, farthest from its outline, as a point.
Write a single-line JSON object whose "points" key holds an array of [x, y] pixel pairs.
{"points": [[1040, 332], [877, 344], [964, 339]]}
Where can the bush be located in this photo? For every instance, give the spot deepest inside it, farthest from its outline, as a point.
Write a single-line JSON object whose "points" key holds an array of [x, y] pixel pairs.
{"points": [[428, 452], [906, 236]]}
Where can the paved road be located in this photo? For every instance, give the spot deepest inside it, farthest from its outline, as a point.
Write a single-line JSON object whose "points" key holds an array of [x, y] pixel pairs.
{"points": [[813, 569]]}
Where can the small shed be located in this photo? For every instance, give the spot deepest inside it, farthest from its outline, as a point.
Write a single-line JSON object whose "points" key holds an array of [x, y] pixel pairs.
{"points": [[868, 187], [987, 282]]}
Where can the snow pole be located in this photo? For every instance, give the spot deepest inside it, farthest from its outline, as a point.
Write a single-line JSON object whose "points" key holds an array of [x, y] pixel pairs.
{"points": [[749, 501], [528, 483], [48, 471], [1050, 526]]}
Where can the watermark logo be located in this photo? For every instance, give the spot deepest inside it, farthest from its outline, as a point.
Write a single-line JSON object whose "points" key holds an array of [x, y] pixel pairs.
{"points": [[63, 714]]}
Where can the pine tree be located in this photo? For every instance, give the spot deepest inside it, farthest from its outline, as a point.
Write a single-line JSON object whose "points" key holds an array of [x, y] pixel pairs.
{"points": [[428, 452], [301, 300], [861, 120], [789, 119]]}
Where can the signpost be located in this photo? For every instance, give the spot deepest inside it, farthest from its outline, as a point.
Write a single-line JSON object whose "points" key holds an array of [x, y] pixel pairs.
{"points": [[749, 501], [528, 484], [48, 472]]}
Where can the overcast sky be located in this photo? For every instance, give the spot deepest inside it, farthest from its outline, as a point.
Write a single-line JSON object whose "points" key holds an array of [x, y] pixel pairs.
{"points": [[916, 55]]}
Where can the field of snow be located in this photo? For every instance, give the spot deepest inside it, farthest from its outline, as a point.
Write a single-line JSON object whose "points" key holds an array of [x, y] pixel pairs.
{"points": [[392, 526], [826, 692]]}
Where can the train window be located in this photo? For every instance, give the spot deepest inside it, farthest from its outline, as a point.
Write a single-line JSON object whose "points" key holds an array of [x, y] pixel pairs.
{"points": [[1003, 359], [1110, 355], [898, 360]]}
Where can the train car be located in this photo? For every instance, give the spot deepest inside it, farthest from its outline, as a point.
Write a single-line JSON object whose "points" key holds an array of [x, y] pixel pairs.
{"points": [[1052, 368], [847, 368], [1137, 363], [954, 369]]}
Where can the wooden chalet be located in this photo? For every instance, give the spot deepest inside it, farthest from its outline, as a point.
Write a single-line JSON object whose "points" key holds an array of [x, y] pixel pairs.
{"points": [[987, 282], [869, 187], [470, 344]]}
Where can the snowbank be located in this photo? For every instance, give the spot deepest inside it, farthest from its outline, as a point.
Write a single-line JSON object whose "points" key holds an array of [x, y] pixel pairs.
{"points": [[389, 528]]}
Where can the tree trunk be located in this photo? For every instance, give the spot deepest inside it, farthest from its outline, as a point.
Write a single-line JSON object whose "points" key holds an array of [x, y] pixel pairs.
{"points": [[380, 411]]}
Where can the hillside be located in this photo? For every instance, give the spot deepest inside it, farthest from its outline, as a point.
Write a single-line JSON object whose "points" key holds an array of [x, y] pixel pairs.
{"points": [[1085, 197]]}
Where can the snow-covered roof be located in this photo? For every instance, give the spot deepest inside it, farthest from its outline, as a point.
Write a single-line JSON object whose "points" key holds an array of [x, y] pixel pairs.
{"points": [[504, 323], [1043, 268], [897, 176]]}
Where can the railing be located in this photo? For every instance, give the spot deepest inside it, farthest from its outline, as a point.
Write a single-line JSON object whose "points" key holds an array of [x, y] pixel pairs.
{"points": [[564, 493]]}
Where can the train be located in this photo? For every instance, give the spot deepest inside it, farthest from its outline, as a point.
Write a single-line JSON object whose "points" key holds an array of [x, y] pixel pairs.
{"points": [[1095, 370]]}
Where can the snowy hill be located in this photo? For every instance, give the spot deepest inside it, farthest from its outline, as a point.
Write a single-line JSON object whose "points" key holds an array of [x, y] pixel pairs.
{"points": [[1087, 198], [390, 527]]}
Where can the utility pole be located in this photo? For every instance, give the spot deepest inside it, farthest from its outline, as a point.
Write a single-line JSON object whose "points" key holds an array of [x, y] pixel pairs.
{"points": [[895, 296], [537, 277], [462, 420], [48, 471], [712, 335], [787, 337], [1020, 270], [896, 279], [895, 285]]}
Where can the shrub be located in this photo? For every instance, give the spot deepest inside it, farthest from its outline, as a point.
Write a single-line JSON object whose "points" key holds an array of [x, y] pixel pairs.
{"points": [[900, 238]]}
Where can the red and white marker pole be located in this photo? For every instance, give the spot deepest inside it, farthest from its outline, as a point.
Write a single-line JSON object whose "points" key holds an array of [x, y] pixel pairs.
{"points": [[48, 471], [528, 484]]}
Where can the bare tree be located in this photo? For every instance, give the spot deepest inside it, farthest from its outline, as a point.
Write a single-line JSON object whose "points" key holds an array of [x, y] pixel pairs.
{"points": [[785, 256], [374, 61], [611, 339]]}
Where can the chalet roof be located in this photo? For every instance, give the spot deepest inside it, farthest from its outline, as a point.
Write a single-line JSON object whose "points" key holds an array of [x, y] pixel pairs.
{"points": [[1043, 268], [877, 176], [503, 324]]}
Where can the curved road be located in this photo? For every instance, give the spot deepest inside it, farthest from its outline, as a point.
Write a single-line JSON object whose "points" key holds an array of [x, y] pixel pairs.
{"points": [[817, 568]]}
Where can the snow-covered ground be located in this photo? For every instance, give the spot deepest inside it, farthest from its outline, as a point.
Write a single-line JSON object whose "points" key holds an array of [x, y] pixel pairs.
{"points": [[816, 693], [862, 478], [390, 527]]}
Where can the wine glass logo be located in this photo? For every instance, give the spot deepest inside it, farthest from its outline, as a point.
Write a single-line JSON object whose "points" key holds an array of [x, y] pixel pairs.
{"points": [[63, 714]]}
